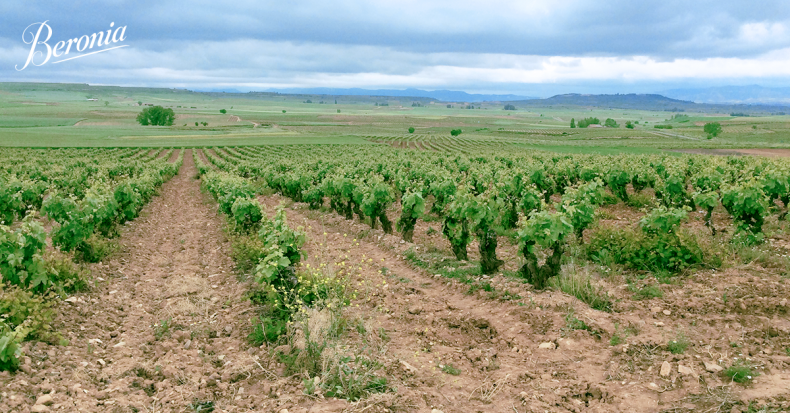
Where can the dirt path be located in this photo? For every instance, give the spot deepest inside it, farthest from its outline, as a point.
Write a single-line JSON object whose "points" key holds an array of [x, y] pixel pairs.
{"points": [[771, 153], [173, 268]]}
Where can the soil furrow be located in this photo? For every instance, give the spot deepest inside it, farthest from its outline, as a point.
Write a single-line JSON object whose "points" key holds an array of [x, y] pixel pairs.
{"points": [[161, 330], [495, 345]]}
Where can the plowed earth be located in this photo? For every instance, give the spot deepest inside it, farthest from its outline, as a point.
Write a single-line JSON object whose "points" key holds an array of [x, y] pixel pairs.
{"points": [[165, 328]]}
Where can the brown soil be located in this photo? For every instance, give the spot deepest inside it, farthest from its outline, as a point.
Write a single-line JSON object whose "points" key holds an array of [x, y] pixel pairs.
{"points": [[174, 266], [496, 344], [771, 153]]}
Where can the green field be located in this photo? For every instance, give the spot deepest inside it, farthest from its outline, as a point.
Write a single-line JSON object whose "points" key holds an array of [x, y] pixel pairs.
{"points": [[60, 115]]}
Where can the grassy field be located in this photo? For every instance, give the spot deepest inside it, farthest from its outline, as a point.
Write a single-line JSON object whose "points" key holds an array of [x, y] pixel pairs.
{"points": [[47, 115]]}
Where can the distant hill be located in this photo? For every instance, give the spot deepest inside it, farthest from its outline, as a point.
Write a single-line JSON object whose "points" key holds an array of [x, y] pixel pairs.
{"points": [[443, 95], [647, 102], [753, 94]]}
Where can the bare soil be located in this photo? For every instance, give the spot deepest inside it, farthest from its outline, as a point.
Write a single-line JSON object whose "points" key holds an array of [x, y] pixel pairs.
{"points": [[496, 344]]}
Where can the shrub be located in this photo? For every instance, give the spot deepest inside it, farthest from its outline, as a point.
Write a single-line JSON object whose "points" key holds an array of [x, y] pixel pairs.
{"points": [[548, 230], [223, 111], [411, 129], [659, 246], [510, 107], [412, 208], [23, 309], [456, 132], [246, 213]]}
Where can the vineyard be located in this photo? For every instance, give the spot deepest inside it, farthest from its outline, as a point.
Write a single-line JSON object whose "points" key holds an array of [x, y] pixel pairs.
{"points": [[419, 273]]}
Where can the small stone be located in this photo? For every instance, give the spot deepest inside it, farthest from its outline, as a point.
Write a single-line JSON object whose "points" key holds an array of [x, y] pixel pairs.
{"points": [[712, 367], [415, 310], [659, 324], [547, 345], [655, 310], [71, 300], [436, 411], [39, 408], [408, 367], [283, 411], [228, 329], [686, 371], [667, 312], [100, 361], [120, 344], [666, 368], [653, 386], [187, 344], [783, 303], [46, 400]]}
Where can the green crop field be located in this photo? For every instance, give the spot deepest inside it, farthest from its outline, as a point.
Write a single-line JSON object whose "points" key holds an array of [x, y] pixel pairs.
{"points": [[60, 115]]}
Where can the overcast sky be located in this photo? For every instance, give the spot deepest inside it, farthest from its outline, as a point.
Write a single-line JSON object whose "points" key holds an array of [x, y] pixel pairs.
{"points": [[534, 48]]}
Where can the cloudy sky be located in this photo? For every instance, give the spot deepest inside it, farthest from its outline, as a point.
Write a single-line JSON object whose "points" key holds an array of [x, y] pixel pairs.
{"points": [[527, 47]]}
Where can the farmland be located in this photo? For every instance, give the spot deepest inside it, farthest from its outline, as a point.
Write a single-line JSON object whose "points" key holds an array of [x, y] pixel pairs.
{"points": [[321, 257]]}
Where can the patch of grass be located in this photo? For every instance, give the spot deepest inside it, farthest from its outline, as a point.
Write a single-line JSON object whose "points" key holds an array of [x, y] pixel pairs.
{"points": [[450, 369], [96, 248], [679, 344], [741, 372], [199, 406], [641, 200], [485, 286], [647, 292], [581, 286]]}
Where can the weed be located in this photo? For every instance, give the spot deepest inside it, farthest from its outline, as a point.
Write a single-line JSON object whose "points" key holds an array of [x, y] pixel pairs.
{"points": [[616, 337], [741, 372], [199, 406], [450, 369], [383, 335], [647, 292], [162, 329], [581, 286], [679, 344]]}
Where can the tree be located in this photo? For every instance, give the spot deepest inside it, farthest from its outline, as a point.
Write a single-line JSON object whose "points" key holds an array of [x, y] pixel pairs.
{"points": [[713, 129], [308, 101], [156, 116], [573, 123], [629, 125], [510, 107], [449, 106], [139, 103], [411, 129], [610, 123], [223, 111], [204, 123], [283, 110], [455, 132], [196, 123], [587, 122], [106, 103]]}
